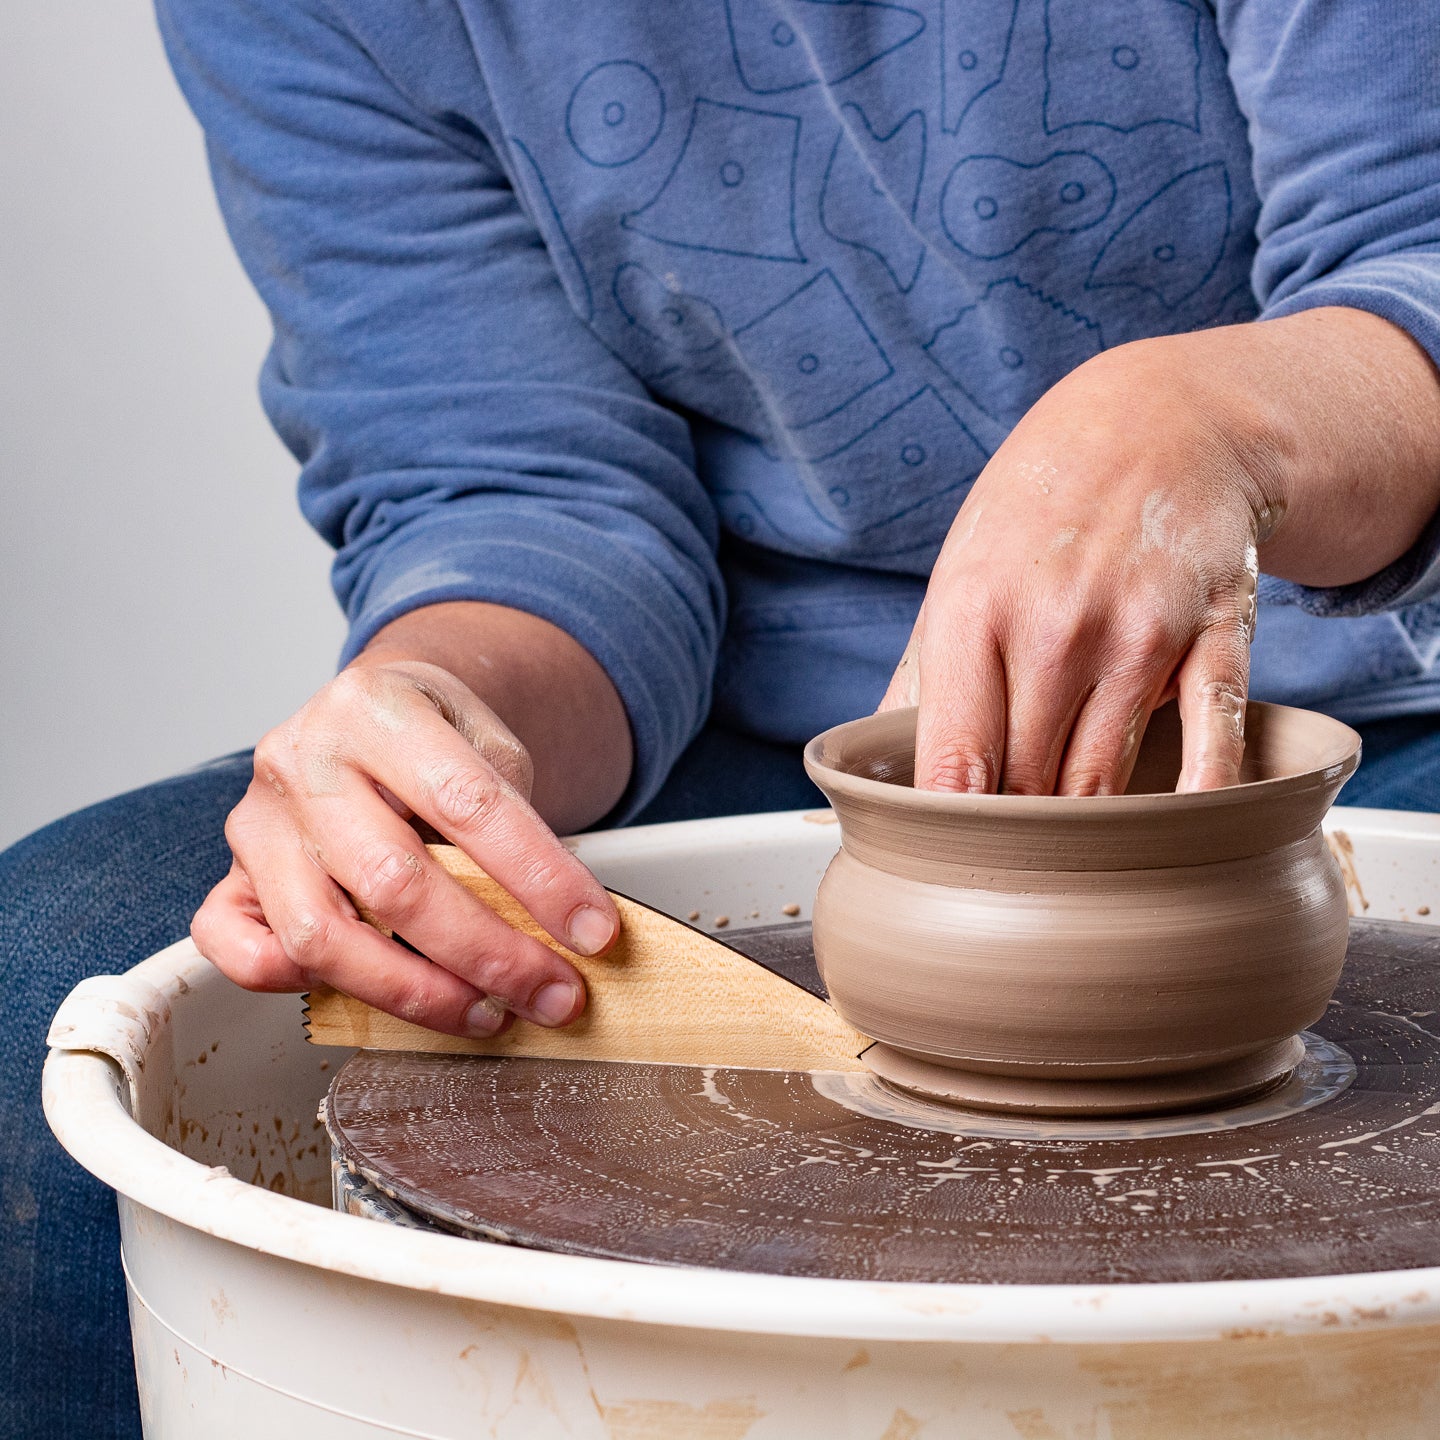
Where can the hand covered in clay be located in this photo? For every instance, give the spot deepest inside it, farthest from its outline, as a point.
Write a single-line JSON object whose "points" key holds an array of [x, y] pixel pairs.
{"points": [[1105, 560], [326, 818]]}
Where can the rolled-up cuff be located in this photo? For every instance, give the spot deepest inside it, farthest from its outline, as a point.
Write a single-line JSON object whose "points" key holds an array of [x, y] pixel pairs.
{"points": [[1404, 289]]}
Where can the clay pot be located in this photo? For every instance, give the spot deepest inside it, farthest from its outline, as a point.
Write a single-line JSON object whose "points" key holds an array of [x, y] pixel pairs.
{"points": [[1109, 954]]}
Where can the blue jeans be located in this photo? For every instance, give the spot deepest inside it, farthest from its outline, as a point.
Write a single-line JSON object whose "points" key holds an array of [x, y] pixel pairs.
{"points": [[100, 890]]}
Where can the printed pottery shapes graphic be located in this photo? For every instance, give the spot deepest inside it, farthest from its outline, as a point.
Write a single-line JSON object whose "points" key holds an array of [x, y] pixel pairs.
{"points": [[615, 114], [779, 48], [742, 513], [732, 187], [975, 40], [1141, 952], [1420, 625], [563, 253], [1173, 243], [1237, 306], [1011, 346], [870, 190], [1123, 64], [898, 479], [812, 355], [684, 324], [991, 206]]}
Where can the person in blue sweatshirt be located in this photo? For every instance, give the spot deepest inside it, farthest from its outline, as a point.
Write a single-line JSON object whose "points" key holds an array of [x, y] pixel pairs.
{"points": [[677, 380]]}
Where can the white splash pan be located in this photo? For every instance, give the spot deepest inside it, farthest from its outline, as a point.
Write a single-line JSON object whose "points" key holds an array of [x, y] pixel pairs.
{"points": [[254, 1305]]}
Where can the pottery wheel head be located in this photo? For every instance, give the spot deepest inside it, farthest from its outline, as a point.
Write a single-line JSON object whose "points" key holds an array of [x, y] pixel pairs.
{"points": [[831, 1175]]}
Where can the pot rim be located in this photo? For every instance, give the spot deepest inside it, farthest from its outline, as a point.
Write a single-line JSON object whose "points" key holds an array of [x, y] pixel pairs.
{"points": [[1058, 808]]}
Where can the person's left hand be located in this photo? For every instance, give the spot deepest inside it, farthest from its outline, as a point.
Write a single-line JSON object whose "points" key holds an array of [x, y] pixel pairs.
{"points": [[1104, 562]]}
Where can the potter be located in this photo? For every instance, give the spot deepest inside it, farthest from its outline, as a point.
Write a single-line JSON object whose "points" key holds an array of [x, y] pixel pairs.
{"points": [[660, 372], [1144, 951]]}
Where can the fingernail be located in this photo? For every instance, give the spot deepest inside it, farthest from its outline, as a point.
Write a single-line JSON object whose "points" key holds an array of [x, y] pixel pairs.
{"points": [[555, 1003], [590, 930], [484, 1018]]}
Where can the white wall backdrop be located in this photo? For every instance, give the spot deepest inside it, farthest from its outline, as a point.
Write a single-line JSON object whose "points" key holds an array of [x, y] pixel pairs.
{"points": [[161, 600]]}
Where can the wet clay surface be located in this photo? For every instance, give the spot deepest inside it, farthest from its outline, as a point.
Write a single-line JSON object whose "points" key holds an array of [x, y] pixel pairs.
{"points": [[755, 1170], [1096, 954]]}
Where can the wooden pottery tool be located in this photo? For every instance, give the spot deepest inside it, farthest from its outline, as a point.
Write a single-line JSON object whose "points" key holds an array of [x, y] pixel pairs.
{"points": [[666, 993]]}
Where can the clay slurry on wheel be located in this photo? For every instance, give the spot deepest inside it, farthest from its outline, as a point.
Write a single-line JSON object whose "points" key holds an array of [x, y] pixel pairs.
{"points": [[753, 1170]]}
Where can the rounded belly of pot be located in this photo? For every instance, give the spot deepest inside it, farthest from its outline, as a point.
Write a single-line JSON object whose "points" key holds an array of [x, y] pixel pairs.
{"points": [[1109, 974]]}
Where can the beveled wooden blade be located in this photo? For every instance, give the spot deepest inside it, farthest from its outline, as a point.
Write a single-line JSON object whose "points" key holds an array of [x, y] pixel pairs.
{"points": [[664, 994]]}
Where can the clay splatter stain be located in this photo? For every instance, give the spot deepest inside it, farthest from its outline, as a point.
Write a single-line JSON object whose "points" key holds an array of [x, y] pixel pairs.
{"points": [[903, 1426], [667, 1419], [1343, 849]]}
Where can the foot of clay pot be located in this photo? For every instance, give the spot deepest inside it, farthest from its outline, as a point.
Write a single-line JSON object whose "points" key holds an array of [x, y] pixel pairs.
{"points": [[1145, 1095]]}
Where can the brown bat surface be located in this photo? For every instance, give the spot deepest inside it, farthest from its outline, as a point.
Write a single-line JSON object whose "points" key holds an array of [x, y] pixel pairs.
{"points": [[769, 1171]]}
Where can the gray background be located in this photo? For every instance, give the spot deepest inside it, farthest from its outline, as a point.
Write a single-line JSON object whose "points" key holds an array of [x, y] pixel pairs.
{"points": [[161, 600]]}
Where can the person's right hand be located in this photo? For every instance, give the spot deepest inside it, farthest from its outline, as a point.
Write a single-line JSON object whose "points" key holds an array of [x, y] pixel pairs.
{"points": [[325, 818]]}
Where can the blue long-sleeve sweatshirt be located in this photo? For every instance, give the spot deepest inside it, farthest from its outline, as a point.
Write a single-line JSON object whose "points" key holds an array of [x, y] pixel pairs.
{"points": [[687, 324]]}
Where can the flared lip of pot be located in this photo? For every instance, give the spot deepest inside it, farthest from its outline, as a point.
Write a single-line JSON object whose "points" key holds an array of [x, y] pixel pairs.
{"points": [[1278, 809]]}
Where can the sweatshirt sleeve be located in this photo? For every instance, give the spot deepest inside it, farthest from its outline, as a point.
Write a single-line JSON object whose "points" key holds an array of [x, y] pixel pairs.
{"points": [[1343, 106], [462, 434]]}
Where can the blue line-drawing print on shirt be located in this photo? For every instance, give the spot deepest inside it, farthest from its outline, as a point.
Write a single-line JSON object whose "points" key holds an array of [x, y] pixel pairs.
{"points": [[1171, 245], [1237, 306], [1420, 627], [812, 355], [567, 261], [974, 46], [1122, 64], [779, 48], [732, 187], [1006, 350], [991, 206], [688, 324], [897, 469], [734, 515], [871, 185], [615, 113]]}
